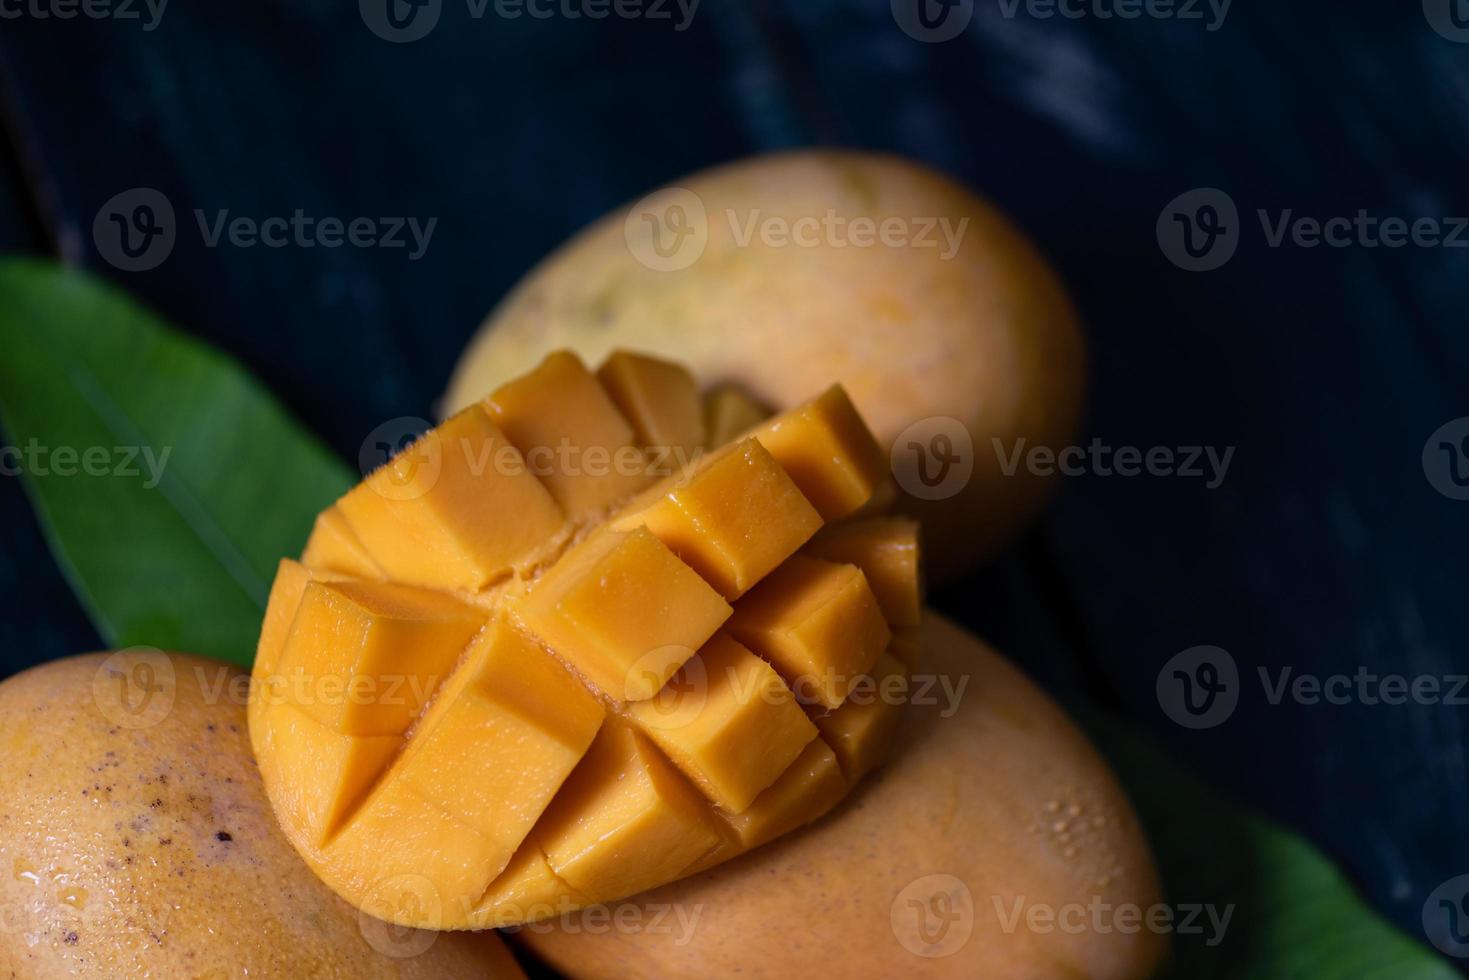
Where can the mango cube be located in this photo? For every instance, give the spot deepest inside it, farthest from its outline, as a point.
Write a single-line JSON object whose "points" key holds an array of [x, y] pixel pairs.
{"points": [[526, 891], [572, 435], [362, 658], [734, 518], [624, 610], [501, 737], [817, 622], [731, 725], [729, 413], [861, 730], [396, 840], [333, 771], [626, 820], [828, 450], [886, 549], [334, 547], [456, 510], [659, 398], [907, 646]]}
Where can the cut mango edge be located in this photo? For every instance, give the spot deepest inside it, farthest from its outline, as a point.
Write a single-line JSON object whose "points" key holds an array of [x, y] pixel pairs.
{"points": [[538, 661]]}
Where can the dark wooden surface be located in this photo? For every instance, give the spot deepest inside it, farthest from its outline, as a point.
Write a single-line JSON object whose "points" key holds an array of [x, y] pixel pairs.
{"points": [[1326, 549]]}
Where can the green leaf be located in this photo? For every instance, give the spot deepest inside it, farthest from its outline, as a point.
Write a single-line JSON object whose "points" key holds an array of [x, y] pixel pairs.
{"points": [[168, 481], [1294, 914]]}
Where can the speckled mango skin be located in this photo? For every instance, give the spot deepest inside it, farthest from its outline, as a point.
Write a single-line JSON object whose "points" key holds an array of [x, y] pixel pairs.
{"points": [[983, 332], [152, 851], [1005, 794]]}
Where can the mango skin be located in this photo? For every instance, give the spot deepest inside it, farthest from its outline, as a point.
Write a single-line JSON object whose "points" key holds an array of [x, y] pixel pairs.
{"points": [[130, 818], [987, 336], [976, 795]]}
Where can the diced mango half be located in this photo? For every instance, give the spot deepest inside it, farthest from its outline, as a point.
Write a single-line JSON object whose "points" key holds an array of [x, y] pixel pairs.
{"points": [[730, 412], [886, 549], [828, 450], [515, 674], [626, 820], [661, 401], [572, 435], [624, 610], [861, 730], [730, 723], [459, 509], [707, 517], [817, 622], [335, 547]]}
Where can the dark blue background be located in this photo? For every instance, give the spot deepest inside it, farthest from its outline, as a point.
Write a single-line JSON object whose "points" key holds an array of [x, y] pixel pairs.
{"points": [[1326, 549]]}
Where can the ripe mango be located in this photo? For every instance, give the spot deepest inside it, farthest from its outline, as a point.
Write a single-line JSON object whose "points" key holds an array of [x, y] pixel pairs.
{"points": [[561, 651], [136, 840], [992, 813], [765, 283]]}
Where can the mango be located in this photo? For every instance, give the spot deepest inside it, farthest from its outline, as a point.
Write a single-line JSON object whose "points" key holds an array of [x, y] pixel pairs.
{"points": [[545, 688], [136, 840], [954, 326], [991, 802]]}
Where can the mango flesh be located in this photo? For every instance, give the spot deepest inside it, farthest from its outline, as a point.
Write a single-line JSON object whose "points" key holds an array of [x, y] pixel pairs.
{"points": [[136, 840], [972, 325], [653, 682], [919, 872]]}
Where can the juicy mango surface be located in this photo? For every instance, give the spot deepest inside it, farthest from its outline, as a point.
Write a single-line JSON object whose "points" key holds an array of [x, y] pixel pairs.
{"points": [[564, 648]]}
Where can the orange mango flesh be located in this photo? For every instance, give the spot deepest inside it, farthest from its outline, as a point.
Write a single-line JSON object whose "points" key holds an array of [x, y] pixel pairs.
{"points": [[660, 400], [886, 549], [729, 413], [532, 690]]}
